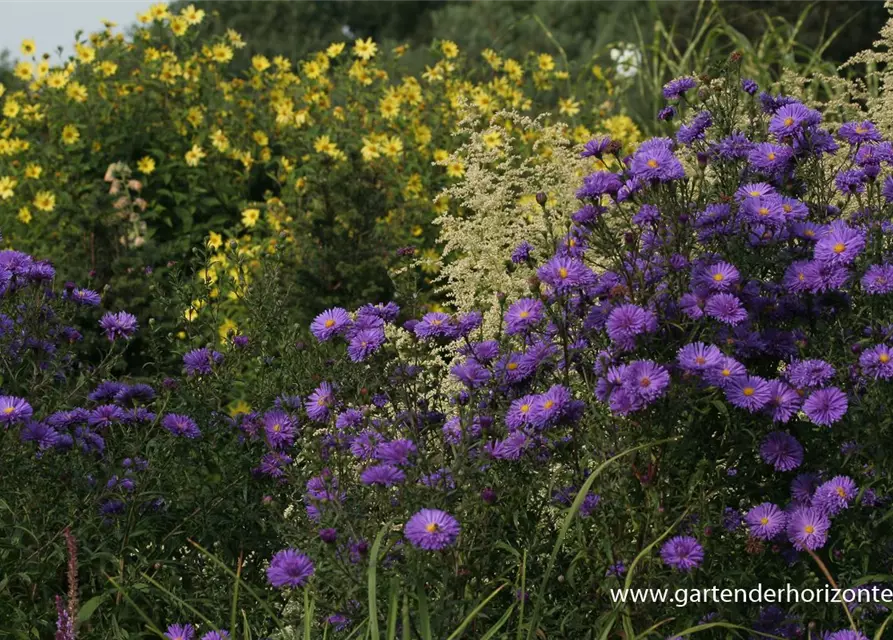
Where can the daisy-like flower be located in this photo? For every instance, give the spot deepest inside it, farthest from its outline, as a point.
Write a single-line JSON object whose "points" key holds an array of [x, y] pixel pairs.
{"points": [[826, 406], [770, 158], [840, 244], [782, 451], [597, 147], [654, 162], [878, 279], [847, 634], [435, 325], [627, 321], [119, 325], [13, 409], [565, 274], [598, 184], [765, 521], [805, 374], [803, 488], [279, 429], [85, 297], [181, 425], [748, 392], [721, 276], [754, 190], [523, 315], [858, 132], [645, 379], [432, 530], [784, 401], [201, 361], [320, 402], [834, 496], [726, 370], [180, 632], [384, 475], [674, 89], [364, 343], [330, 323], [808, 528], [726, 308], [683, 553], [792, 119], [699, 357], [289, 568], [877, 362]]}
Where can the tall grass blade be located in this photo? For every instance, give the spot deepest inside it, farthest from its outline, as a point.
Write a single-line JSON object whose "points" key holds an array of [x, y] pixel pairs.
{"points": [[471, 616]]}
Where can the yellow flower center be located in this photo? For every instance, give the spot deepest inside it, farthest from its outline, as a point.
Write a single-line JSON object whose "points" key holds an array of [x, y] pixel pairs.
{"points": [[764, 520], [525, 408], [700, 360], [809, 529], [861, 130], [277, 428], [562, 272], [8, 410], [755, 193], [884, 358], [726, 373], [645, 382], [330, 323], [787, 208], [764, 211], [841, 492], [548, 404], [839, 247], [771, 155], [809, 233], [653, 163], [432, 527], [787, 122], [524, 314], [718, 277], [748, 391], [511, 366]]}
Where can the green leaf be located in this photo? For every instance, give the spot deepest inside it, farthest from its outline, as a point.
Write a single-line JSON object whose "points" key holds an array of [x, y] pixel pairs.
{"points": [[89, 607]]}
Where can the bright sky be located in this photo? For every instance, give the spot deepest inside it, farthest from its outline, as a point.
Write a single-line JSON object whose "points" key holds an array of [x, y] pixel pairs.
{"points": [[54, 22]]}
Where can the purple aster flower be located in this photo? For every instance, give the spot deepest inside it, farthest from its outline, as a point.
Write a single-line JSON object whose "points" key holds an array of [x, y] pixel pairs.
{"points": [[645, 379], [674, 89], [396, 451], [666, 114], [878, 279], [627, 321], [847, 634], [720, 276], [598, 184], [792, 119], [749, 86], [754, 190], [655, 162], [808, 528], [520, 413], [766, 521], [782, 451], [803, 488], [330, 323], [646, 215], [432, 530], [86, 297], [180, 425], [13, 409], [834, 496], [826, 406], [549, 407], [734, 147], [522, 252], [682, 552], [387, 312], [699, 357], [119, 325], [877, 362], [596, 147], [384, 475], [804, 374], [201, 361], [725, 308], [523, 315], [289, 568], [840, 244], [564, 274], [726, 370], [105, 415], [435, 325], [180, 632], [766, 210], [40, 433], [471, 373], [320, 402], [130, 395], [858, 132], [748, 392], [483, 352], [770, 158], [793, 209], [217, 635], [279, 429], [364, 343], [784, 401], [692, 306], [851, 181], [509, 448], [695, 130], [887, 189]]}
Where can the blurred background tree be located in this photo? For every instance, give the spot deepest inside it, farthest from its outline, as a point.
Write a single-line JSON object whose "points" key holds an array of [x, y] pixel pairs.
{"points": [[515, 27]]}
